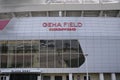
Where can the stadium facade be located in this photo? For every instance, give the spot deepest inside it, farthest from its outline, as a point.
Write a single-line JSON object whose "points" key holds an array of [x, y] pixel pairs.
{"points": [[60, 40]]}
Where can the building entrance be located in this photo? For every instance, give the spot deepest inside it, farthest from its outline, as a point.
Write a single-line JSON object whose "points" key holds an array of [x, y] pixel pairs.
{"points": [[58, 77], [3, 77], [23, 76]]}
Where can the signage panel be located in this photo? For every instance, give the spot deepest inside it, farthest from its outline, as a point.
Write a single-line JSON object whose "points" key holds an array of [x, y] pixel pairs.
{"points": [[14, 70], [62, 26]]}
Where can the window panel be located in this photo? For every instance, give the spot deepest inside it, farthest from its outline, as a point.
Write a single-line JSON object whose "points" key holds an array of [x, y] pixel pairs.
{"points": [[4, 59], [43, 46], [40, 53], [43, 60], [51, 45], [74, 53], [19, 61], [11, 61], [27, 61], [4, 47], [35, 46], [19, 47], [58, 54], [67, 52]]}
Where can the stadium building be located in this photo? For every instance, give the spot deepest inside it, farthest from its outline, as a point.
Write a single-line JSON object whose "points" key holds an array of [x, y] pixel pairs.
{"points": [[59, 40]]}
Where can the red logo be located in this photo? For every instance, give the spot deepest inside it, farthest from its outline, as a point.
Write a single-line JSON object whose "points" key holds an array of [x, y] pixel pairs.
{"points": [[3, 24], [62, 26]]}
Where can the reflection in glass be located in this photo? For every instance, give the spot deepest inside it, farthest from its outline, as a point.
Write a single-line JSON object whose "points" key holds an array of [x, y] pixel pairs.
{"points": [[4, 61], [40, 54]]}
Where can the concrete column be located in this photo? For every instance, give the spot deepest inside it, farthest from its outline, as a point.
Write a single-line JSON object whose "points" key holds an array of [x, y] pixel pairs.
{"points": [[60, 13], [70, 76], [52, 77], [39, 77], [113, 77], [7, 77], [101, 76]]}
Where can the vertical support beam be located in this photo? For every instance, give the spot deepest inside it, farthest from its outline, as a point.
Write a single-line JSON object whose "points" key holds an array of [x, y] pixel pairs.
{"points": [[82, 13], [86, 63], [65, 13], [39, 77], [60, 13], [113, 77], [30, 14], [47, 14], [101, 76], [101, 14], [70, 76]]}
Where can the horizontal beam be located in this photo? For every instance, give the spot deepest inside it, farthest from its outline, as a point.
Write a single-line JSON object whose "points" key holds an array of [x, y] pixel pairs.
{"points": [[57, 7]]}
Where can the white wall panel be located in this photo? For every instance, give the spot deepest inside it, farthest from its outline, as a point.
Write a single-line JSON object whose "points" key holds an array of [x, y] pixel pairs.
{"points": [[99, 38]]}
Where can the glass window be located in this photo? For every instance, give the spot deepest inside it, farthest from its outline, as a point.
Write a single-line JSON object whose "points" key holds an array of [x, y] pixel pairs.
{"points": [[19, 46], [66, 45], [35, 46], [19, 61], [51, 52], [74, 53], [74, 46], [4, 61], [11, 61], [59, 46], [67, 52], [43, 46], [27, 46], [4, 47], [58, 53], [27, 61], [51, 45], [40, 53]]}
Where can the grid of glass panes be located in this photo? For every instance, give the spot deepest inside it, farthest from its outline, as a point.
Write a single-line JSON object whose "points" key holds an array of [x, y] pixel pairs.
{"points": [[40, 54]]}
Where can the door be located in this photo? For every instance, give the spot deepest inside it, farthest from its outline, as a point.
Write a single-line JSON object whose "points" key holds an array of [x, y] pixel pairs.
{"points": [[46, 77], [3, 77], [58, 77], [23, 77]]}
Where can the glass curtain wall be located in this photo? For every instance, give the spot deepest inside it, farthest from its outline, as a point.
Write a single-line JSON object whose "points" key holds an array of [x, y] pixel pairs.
{"points": [[40, 54]]}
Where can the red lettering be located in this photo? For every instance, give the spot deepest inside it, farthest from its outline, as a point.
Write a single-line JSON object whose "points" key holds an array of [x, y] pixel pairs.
{"points": [[53, 25], [49, 24], [44, 24], [65, 26], [71, 24], [50, 29], [59, 25], [79, 24], [65, 23], [73, 29]]}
